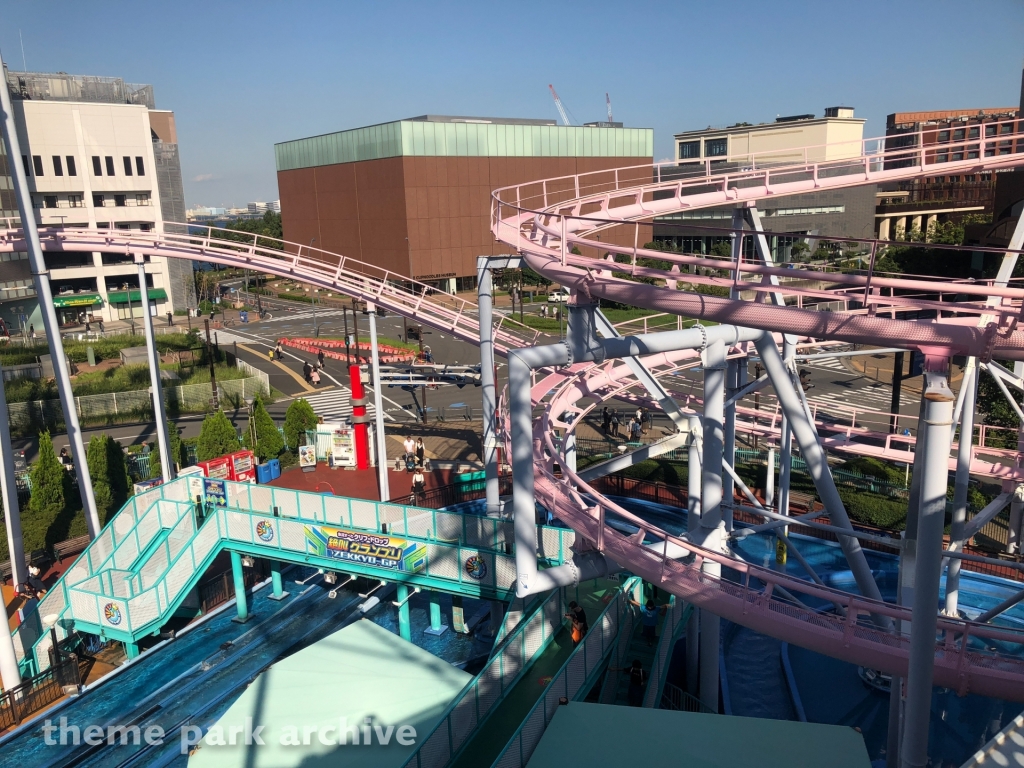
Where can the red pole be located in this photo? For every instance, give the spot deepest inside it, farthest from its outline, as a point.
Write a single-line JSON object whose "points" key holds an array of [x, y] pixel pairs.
{"points": [[359, 418]]}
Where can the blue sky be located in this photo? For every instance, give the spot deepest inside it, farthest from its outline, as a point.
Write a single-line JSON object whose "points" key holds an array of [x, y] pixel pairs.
{"points": [[242, 76]]}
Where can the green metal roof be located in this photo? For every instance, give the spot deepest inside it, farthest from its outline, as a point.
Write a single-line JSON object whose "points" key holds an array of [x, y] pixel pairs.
{"points": [[420, 138], [361, 671], [123, 297], [601, 734]]}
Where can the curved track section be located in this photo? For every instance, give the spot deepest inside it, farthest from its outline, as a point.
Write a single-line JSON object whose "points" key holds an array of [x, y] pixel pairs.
{"points": [[545, 221]]}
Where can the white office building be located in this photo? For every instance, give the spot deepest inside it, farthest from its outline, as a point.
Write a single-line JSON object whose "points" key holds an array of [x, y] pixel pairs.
{"points": [[97, 154]]}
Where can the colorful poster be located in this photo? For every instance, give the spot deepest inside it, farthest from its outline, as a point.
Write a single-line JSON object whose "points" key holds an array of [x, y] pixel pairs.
{"points": [[215, 491], [365, 548], [307, 456]]}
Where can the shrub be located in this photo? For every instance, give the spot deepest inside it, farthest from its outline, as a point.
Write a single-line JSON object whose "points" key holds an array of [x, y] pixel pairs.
{"points": [[216, 438], [269, 442], [298, 419]]}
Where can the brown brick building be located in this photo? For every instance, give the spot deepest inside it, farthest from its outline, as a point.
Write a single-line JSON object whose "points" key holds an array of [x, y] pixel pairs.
{"points": [[413, 196]]}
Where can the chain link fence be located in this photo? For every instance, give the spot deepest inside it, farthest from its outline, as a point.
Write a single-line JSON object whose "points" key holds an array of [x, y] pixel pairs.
{"points": [[32, 417]]}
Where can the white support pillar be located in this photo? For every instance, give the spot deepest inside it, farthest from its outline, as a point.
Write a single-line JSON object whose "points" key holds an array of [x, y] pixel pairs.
{"points": [[488, 387], [155, 383], [883, 228], [41, 278], [712, 527], [924, 620], [378, 410]]}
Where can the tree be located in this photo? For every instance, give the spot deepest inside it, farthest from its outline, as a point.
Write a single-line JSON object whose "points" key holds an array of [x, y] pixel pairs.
{"points": [[269, 442], [155, 462], [216, 438], [798, 250], [108, 468], [48, 477], [298, 419]]}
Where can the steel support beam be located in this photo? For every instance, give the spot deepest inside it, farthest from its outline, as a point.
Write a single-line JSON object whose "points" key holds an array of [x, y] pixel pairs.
{"points": [[238, 576], [155, 382], [41, 277], [807, 438], [969, 383], [938, 414]]}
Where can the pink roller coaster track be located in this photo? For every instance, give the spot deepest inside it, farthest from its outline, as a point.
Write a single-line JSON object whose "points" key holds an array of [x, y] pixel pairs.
{"points": [[544, 220]]}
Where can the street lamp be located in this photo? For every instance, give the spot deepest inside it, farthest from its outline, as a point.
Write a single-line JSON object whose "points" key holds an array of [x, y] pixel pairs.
{"points": [[250, 402]]}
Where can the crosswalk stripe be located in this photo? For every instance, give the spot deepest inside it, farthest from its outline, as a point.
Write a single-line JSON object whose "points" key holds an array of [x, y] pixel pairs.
{"points": [[334, 404], [279, 316]]}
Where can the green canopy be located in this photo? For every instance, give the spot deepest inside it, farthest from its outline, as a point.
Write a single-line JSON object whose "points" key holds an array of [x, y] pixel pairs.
{"points": [[123, 297], [359, 672]]}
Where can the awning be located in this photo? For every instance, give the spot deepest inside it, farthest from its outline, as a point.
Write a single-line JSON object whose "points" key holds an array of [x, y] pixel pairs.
{"points": [[77, 300], [123, 297]]}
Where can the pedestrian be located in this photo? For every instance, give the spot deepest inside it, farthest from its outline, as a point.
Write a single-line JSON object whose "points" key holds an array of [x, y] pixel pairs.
{"points": [[634, 430], [320, 358], [637, 679], [170, 319], [650, 613], [32, 331], [314, 377], [606, 419], [410, 447], [578, 617], [101, 325], [615, 422], [428, 356], [419, 485], [35, 583], [420, 452], [645, 417], [270, 354], [307, 369]]}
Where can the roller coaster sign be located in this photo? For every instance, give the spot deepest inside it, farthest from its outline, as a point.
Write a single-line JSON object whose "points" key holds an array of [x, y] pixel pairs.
{"points": [[364, 548]]}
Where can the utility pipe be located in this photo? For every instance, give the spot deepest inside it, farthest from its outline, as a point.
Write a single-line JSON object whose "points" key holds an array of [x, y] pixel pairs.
{"points": [[693, 475]]}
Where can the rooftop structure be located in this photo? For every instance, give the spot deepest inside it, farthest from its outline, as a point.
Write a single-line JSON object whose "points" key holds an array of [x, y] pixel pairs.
{"points": [[780, 141], [60, 86]]}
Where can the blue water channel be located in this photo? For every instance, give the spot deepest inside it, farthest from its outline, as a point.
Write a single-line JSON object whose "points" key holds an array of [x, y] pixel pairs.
{"points": [[828, 690]]}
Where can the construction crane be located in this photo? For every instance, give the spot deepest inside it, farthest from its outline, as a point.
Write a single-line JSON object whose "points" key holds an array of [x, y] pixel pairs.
{"points": [[558, 103], [608, 101]]}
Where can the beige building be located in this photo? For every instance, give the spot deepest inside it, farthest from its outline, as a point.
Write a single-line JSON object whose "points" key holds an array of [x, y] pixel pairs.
{"points": [[97, 154], [783, 141]]}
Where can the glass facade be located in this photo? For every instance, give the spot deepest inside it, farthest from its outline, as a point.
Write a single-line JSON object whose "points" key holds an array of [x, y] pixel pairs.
{"points": [[419, 138]]}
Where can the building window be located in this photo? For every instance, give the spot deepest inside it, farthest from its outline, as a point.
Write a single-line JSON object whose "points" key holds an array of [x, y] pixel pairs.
{"points": [[689, 149], [942, 157], [37, 163], [24, 162], [807, 211], [974, 132], [75, 201], [943, 135], [140, 168], [58, 166], [958, 156], [98, 201], [49, 201], [954, 179], [990, 130], [127, 166], [97, 169], [142, 198], [120, 201], [123, 225], [72, 168], [110, 165], [716, 147], [958, 134], [146, 226], [1006, 128]]}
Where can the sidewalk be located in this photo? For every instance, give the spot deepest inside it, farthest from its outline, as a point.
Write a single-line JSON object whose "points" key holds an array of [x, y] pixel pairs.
{"points": [[880, 368]]}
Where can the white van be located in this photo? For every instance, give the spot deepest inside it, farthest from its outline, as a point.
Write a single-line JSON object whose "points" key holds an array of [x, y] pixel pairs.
{"points": [[559, 295]]}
